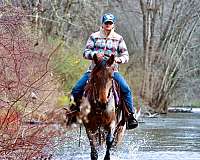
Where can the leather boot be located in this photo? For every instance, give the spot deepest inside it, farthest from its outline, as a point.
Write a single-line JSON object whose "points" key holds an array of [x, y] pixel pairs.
{"points": [[132, 122], [74, 109]]}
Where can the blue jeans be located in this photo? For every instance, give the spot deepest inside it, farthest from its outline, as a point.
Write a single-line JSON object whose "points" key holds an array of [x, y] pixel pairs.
{"points": [[78, 89]]}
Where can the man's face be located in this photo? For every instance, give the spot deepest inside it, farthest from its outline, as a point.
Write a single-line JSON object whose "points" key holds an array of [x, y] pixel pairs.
{"points": [[108, 26]]}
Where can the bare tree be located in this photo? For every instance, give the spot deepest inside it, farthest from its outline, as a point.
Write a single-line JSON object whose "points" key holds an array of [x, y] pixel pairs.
{"points": [[166, 41], [24, 89], [160, 35]]}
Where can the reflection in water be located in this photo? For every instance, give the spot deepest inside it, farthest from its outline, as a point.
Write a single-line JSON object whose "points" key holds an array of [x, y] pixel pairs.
{"points": [[175, 136]]}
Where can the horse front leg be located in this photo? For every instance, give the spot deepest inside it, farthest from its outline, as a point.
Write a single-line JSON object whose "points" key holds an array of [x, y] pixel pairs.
{"points": [[92, 140], [93, 154], [109, 140]]}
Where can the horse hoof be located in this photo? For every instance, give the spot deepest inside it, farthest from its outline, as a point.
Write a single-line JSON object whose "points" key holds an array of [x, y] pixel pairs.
{"points": [[107, 157], [94, 158], [94, 155]]}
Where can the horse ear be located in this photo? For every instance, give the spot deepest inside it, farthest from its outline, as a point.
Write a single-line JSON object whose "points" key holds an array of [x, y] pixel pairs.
{"points": [[95, 58], [111, 60]]}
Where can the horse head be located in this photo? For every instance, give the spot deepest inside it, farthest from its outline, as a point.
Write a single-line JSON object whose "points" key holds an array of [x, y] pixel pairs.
{"points": [[101, 78]]}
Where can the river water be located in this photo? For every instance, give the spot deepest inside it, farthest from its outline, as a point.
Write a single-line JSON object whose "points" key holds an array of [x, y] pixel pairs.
{"points": [[175, 136]]}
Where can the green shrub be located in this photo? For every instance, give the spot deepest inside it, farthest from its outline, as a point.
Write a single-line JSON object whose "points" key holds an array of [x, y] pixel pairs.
{"points": [[69, 64]]}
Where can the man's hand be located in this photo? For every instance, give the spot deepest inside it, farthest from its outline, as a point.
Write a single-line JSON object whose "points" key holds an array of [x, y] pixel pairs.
{"points": [[118, 60], [100, 56]]}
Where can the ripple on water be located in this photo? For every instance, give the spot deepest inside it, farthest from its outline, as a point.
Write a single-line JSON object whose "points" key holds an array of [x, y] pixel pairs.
{"points": [[158, 156], [172, 137]]}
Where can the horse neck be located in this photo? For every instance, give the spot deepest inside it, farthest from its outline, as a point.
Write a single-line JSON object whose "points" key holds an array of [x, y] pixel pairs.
{"points": [[89, 91], [91, 95]]}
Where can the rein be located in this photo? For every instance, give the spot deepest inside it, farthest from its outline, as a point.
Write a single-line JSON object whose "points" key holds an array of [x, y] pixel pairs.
{"points": [[95, 95], [69, 113], [92, 89]]}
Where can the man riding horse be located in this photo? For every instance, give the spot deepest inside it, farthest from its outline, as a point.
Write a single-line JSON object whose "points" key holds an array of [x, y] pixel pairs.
{"points": [[101, 43]]}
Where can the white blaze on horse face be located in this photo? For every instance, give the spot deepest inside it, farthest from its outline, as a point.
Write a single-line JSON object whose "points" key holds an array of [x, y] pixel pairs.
{"points": [[102, 96], [104, 92], [107, 90]]}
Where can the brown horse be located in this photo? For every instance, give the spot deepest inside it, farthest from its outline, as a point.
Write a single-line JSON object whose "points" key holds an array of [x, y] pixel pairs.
{"points": [[104, 120]]}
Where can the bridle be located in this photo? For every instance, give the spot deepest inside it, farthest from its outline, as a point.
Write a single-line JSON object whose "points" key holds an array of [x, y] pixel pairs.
{"points": [[95, 92]]}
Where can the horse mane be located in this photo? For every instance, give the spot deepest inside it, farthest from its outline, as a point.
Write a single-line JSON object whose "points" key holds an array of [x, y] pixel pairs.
{"points": [[90, 86], [98, 76]]}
